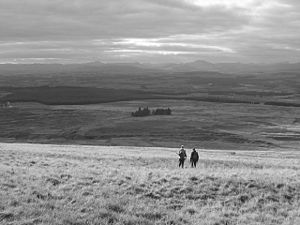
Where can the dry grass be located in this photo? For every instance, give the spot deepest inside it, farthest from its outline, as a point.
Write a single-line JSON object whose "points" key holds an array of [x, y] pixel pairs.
{"points": [[80, 185]]}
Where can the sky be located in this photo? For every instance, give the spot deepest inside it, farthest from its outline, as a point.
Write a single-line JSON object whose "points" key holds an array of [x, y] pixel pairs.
{"points": [[149, 31]]}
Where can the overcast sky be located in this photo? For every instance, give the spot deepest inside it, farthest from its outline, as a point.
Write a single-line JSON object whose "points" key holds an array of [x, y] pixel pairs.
{"points": [[67, 31]]}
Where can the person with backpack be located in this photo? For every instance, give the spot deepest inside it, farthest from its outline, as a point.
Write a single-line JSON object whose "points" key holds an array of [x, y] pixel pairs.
{"points": [[182, 156], [194, 158]]}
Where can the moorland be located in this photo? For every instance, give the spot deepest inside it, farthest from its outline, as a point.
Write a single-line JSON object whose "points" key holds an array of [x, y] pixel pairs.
{"points": [[79, 185], [75, 118], [92, 104]]}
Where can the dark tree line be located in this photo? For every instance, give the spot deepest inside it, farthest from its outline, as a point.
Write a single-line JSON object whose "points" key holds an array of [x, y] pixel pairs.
{"points": [[142, 112], [162, 111], [147, 112]]}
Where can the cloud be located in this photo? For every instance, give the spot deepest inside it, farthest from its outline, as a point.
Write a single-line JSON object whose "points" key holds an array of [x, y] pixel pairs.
{"points": [[170, 42], [226, 3], [154, 52], [149, 30]]}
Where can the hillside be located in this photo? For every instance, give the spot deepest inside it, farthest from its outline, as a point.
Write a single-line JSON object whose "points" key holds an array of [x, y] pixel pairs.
{"points": [[70, 184], [88, 104]]}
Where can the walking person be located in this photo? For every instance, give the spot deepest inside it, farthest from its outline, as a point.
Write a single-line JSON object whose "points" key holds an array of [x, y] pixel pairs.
{"points": [[182, 156], [194, 158]]}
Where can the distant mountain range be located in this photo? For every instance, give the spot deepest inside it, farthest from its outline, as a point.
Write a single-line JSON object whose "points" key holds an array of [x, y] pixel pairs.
{"points": [[140, 68], [201, 65]]}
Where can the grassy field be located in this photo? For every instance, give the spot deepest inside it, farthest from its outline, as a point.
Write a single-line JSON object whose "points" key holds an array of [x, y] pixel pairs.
{"points": [[221, 111], [213, 126], [80, 185]]}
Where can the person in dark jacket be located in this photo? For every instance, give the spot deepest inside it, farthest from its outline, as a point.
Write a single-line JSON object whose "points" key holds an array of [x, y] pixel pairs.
{"points": [[194, 158], [182, 156]]}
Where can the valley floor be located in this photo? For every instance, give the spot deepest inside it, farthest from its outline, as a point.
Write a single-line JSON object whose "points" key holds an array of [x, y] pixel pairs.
{"points": [[80, 185]]}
